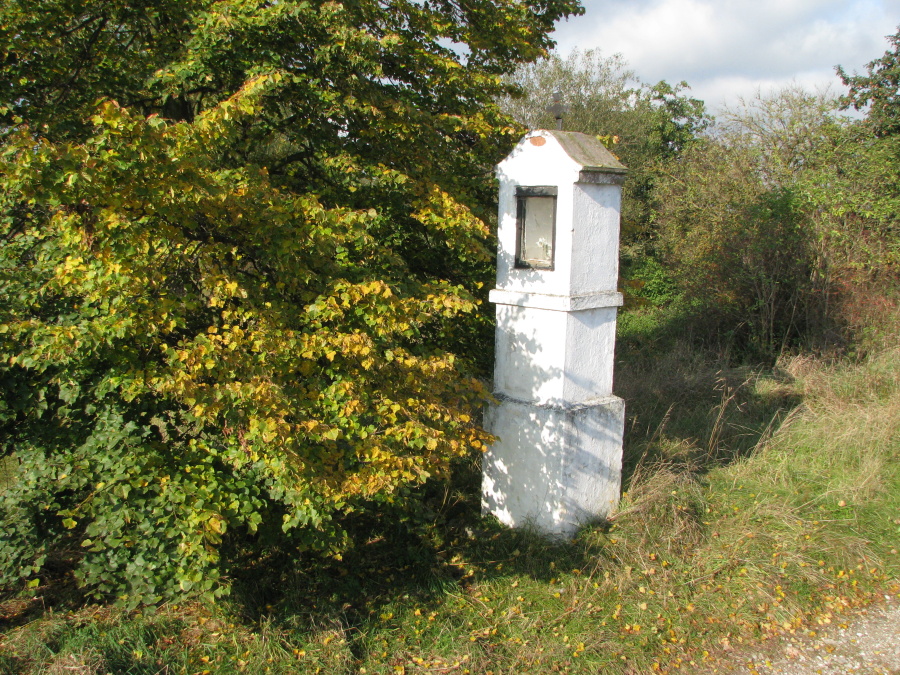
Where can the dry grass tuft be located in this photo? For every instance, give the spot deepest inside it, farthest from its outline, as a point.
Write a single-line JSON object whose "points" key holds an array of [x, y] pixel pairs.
{"points": [[87, 662], [664, 508]]}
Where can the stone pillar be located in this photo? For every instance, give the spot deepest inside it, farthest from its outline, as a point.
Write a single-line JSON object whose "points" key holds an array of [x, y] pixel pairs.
{"points": [[557, 462]]}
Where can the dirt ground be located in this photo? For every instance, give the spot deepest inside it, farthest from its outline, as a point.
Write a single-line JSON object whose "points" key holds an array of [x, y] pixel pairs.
{"points": [[865, 641]]}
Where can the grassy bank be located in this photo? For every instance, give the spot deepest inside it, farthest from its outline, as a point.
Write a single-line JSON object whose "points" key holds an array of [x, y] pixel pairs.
{"points": [[758, 502]]}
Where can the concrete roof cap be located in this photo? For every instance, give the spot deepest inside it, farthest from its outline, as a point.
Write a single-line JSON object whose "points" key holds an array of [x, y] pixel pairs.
{"points": [[589, 152]]}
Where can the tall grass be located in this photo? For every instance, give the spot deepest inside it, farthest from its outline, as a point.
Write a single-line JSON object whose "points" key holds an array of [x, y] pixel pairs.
{"points": [[758, 501]]}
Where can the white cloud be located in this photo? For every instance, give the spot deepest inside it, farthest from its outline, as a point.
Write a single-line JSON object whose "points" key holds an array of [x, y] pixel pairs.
{"points": [[734, 47]]}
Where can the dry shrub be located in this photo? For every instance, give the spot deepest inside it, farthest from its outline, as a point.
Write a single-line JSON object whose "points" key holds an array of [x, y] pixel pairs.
{"points": [[869, 310]]}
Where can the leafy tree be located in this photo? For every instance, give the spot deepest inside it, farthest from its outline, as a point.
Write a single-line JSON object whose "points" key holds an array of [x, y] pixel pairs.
{"points": [[878, 91], [596, 90], [679, 120], [868, 187], [603, 97], [236, 242]]}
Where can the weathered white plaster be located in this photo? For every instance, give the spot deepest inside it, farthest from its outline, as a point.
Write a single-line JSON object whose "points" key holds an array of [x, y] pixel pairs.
{"points": [[595, 234], [557, 467], [554, 357], [557, 461]]}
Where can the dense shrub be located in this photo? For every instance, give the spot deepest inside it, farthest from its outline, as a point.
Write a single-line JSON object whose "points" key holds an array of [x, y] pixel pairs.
{"points": [[233, 287]]}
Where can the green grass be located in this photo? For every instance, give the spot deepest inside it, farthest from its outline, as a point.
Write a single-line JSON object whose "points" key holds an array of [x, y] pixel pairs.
{"points": [[758, 501]]}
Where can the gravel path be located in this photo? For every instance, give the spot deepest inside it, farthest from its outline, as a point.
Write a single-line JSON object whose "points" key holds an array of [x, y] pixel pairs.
{"points": [[869, 644]]}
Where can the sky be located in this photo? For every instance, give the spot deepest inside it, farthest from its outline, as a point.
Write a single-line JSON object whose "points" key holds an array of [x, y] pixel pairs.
{"points": [[726, 49]]}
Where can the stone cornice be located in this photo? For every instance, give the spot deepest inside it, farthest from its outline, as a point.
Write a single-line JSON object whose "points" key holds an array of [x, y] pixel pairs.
{"points": [[557, 303]]}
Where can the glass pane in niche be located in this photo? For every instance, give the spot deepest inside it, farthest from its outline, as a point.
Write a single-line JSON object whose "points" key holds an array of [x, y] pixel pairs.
{"points": [[536, 222]]}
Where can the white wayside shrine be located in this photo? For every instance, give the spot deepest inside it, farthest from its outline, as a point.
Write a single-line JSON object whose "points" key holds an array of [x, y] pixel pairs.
{"points": [[558, 459]]}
